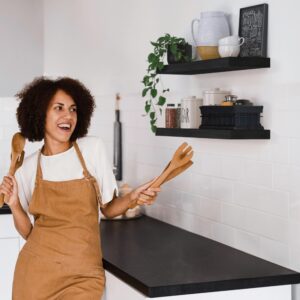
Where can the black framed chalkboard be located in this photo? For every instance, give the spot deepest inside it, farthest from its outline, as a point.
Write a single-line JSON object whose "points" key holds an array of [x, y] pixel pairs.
{"points": [[253, 26]]}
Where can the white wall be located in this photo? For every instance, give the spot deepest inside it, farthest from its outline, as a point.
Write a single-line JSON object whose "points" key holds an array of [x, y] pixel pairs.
{"points": [[21, 51], [244, 193]]}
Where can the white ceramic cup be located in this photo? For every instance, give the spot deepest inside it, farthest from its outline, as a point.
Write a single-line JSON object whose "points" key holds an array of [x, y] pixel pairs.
{"points": [[232, 40], [229, 50]]}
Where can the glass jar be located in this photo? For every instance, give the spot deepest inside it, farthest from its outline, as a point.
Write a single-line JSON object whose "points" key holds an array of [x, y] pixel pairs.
{"points": [[171, 116]]}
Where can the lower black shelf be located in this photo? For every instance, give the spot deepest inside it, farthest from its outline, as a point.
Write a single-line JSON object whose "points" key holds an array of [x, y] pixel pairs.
{"points": [[216, 133]]}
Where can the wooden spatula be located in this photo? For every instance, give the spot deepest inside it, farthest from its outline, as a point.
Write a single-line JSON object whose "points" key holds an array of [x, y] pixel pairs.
{"points": [[181, 160], [17, 156]]}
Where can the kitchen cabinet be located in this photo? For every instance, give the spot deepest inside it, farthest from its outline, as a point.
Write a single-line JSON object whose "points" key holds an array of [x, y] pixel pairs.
{"points": [[9, 250], [213, 66], [118, 289], [146, 258]]}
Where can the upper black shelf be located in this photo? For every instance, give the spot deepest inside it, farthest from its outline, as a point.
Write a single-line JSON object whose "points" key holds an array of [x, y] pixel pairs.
{"points": [[217, 65]]}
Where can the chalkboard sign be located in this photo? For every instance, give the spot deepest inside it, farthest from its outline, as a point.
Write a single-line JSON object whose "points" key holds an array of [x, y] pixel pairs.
{"points": [[253, 26]]}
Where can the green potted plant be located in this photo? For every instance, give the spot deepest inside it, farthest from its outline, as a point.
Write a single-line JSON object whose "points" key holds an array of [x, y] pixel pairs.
{"points": [[178, 51]]}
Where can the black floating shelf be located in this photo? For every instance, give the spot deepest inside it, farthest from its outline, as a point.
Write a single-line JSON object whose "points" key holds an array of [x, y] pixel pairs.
{"points": [[217, 65], [216, 133]]}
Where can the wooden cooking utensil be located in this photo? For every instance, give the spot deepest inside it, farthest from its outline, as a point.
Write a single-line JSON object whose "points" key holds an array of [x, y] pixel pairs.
{"points": [[181, 161], [17, 156]]}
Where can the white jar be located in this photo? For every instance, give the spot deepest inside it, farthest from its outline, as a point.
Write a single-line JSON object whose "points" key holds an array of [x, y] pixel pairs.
{"points": [[190, 112], [214, 97]]}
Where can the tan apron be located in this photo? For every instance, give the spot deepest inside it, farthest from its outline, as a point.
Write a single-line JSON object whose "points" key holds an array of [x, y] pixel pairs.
{"points": [[62, 257]]}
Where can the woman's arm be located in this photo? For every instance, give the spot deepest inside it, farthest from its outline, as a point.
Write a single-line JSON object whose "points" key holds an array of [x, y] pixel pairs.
{"points": [[22, 222], [143, 195]]}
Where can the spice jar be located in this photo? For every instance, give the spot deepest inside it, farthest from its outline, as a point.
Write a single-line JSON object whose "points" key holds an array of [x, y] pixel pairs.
{"points": [[178, 115], [171, 116]]}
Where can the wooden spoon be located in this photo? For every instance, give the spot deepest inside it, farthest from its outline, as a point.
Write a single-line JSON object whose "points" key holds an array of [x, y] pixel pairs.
{"points": [[17, 156]]}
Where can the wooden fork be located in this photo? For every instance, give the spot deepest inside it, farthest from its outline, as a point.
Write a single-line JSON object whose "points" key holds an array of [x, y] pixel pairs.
{"points": [[181, 161]]}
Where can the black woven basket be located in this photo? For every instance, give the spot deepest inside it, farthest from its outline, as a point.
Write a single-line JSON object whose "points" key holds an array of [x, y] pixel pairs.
{"points": [[231, 117]]}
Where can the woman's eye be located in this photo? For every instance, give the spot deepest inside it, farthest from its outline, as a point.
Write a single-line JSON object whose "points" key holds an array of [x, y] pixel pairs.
{"points": [[73, 109], [58, 108]]}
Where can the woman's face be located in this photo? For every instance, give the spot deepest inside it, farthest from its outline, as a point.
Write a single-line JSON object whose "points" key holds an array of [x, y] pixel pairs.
{"points": [[61, 117]]}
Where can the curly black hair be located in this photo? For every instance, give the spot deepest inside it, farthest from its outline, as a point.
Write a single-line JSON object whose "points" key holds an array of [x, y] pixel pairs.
{"points": [[35, 98]]}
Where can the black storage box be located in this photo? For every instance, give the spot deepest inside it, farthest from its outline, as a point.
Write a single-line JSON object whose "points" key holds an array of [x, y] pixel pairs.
{"points": [[231, 117]]}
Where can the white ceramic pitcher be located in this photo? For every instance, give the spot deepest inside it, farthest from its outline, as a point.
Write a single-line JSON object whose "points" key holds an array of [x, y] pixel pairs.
{"points": [[212, 26]]}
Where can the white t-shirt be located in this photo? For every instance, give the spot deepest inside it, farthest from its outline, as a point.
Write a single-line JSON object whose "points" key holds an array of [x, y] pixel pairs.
{"points": [[66, 166]]}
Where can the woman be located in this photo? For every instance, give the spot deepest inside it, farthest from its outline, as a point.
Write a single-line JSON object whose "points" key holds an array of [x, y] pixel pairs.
{"points": [[61, 186]]}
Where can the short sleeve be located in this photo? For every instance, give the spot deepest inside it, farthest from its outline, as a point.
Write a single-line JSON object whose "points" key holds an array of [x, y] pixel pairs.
{"points": [[104, 174], [23, 190]]}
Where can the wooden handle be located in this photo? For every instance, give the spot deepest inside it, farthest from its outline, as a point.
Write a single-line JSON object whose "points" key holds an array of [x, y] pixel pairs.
{"points": [[16, 162], [1, 200], [170, 176]]}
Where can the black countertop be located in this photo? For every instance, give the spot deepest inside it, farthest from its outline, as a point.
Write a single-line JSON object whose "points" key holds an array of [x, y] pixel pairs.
{"points": [[159, 259], [5, 210]]}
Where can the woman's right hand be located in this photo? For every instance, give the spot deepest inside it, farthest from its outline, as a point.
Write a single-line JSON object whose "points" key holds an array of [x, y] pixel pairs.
{"points": [[9, 188]]}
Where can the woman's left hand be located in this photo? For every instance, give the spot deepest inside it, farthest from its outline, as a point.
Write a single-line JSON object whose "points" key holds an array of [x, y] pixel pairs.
{"points": [[144, 194]]}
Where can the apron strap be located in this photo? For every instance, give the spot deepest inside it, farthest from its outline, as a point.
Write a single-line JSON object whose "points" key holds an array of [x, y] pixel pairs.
{"points": [[87, 174], [39, 173], [85, 170]]}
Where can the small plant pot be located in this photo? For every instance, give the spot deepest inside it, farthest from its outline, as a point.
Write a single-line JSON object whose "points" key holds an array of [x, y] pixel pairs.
{"points": [[187, 52]]}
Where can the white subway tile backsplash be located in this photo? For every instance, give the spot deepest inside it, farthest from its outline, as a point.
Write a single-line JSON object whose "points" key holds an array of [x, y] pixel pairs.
{"points": [[274, 251], [267, 200], [211, 165], [286, 177], [232, 168], [234, 216], [247, 242], [266, 225], [210, 209], [222, 189], [295, 150], [200, 185], [258, 173], [224, 234]]}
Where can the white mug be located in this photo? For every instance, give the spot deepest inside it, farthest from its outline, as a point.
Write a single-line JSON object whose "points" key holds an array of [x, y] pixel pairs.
{"points": [[232, 40], [229, 50], [190, 112]]}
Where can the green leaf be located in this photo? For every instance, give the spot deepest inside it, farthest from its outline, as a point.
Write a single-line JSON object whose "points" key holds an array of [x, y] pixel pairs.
{"points": [[145, 92], [152, 115], [173, 49], [153, 93], [161, 101], [152, 122], [146, 79], [147, 107], [153, 128], [151, 57], [154, 44], [160, 66]]}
